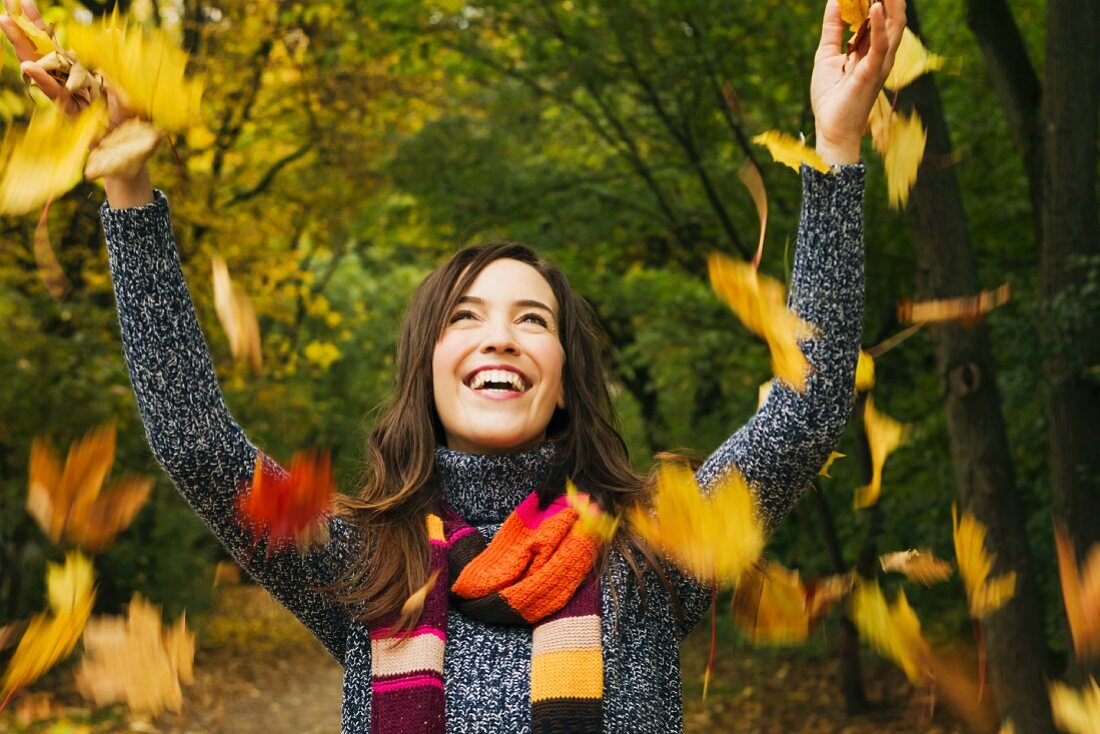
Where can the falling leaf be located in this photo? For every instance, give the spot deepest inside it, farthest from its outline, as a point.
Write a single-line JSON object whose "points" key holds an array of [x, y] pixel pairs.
{"points": [[750, 176], [1077, 712], [985, 595], [903, 156], [237, 317], [882, 112], [911, 61], [790, 151], [593, 519], [714, 538], [865, 372], [893, 630], [1081, 594], [833, 456], [134, 661], [771, 605], [51, 636], [288, 507], [49, 268], [761, 304], [917, 565], [968, 309], [147, 69], [763, 392], [414, 605], [884, 435], [48, 159], [74, 502], [123, 151]]}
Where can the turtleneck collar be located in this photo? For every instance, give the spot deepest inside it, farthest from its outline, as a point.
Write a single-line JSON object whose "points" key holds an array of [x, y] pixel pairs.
{"points": [[485, 488]]}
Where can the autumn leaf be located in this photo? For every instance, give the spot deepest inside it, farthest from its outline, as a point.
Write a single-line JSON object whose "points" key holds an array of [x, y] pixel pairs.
{"points": [[882, 112], [47, 159], [892, 629], [714, 538], [134, 661], [41, 40], [51, 636], [593, 519], [148, 70], [414, 605], [1077, 712], [790, 151], [884, 435], [49, 268], [1081, 595], [771, 605], [750, 176], [74, 502], [968, 309], [288, 507], [911, 61], [903, 155], [122, 151], [917, 565], [833, 456], [237, 317], [985, 595], [761, 304], [865, 371], [854, 12]]}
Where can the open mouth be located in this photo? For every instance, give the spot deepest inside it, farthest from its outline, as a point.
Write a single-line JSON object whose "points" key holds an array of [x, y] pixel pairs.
{"points": [[504, 381]]}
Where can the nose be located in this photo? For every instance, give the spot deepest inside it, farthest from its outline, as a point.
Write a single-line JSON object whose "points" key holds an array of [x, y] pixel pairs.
{"points": [[499, 338]]}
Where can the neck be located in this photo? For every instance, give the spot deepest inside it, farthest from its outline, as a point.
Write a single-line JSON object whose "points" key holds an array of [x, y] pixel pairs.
{"points": [[485, 488]]}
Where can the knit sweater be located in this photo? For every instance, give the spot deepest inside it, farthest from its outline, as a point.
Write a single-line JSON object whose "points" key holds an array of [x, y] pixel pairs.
{"points": [[487, 668]]}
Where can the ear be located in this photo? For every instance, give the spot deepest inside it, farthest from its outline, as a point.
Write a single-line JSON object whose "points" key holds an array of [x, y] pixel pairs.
{"points": [[561, 397]]}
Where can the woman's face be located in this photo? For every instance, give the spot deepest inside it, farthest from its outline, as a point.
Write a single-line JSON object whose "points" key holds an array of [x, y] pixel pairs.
{"points": [[497, 369]]}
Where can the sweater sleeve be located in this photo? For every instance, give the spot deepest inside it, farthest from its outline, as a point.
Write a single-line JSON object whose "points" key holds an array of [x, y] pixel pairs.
{"points": [[190, 431], [784, 445]]}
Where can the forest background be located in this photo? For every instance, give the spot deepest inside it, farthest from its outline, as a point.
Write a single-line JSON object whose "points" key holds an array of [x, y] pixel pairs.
{"points": [[349, 147]]}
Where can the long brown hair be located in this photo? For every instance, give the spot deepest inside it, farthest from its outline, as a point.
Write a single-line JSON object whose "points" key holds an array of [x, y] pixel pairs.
{"points": [[400, 484]]}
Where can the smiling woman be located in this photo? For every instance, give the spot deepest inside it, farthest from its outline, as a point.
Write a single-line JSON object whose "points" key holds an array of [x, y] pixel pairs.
{"points": [[511, 619]]}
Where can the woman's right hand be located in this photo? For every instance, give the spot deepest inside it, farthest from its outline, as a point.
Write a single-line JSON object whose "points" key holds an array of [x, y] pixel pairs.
{"points": [[121, 192]]}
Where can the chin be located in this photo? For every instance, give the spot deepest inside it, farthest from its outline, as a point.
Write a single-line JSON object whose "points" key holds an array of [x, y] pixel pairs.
{"points": [[496, 443]]}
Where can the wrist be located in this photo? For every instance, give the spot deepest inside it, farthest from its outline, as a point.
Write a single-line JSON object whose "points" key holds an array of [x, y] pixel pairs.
{"points": [[839, 152], [127, 192]]}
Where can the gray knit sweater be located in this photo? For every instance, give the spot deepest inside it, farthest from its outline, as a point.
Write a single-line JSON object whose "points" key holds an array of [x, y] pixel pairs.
{"points": [[487, 668]]}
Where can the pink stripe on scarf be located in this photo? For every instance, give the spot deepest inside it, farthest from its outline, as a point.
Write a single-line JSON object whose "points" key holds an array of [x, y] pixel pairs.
{"points": [[423, 629], [401, 684], [532, 516]]}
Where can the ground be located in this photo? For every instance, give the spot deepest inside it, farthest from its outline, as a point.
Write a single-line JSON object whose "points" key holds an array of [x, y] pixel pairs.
{"points": [[258, 670]]}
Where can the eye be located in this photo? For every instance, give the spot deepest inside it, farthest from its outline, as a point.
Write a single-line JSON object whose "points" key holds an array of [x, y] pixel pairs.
{"points": [[537, 318], [460, 315]]}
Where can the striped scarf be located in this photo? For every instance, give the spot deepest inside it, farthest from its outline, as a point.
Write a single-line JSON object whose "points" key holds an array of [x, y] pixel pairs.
{"points": [[536, 571]]}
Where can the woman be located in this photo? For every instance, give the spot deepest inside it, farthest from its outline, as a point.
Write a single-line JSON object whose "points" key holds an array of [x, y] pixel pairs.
{"points": [[501, 395]]}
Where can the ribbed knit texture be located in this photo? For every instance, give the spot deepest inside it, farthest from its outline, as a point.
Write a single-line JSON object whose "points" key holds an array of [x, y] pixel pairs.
{"points": [[487, 667]]}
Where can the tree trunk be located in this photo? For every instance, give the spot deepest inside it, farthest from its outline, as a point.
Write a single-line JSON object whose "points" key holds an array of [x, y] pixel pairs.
{"points": [[978, 439], [1070, 232]]}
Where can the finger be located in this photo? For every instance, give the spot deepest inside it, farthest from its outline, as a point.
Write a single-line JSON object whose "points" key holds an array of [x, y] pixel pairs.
{"points": [[24, 49], [49, 86], [32, 13], [879, 44], [832, 30], [11, 8], [895, 22]]}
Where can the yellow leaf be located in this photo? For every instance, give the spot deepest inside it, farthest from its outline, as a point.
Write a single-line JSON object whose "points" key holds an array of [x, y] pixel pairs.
{"points": [[48, 159], [833, 456], [49, 268], [854, 12], [147, 69], [882, 112], [884, 435], [967, 309], [790, 152], [912, 60], [903, 156], [1081, 594], [762, 393], [40, 39], [917, 565], [238, 318], [1077, 712], [715, 538], [50, 637], [750, 176], [122, 151], [761, 304], [893, 630], [865, 372], [771, 604], [135, 662], [594, 520], [985, 595]]}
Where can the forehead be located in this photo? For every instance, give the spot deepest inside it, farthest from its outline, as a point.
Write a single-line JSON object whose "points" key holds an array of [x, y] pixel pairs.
{"points": [[506, 281]]}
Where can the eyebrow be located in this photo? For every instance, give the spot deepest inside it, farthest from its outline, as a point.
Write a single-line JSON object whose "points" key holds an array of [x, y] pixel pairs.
{"points": [[525, 303]]}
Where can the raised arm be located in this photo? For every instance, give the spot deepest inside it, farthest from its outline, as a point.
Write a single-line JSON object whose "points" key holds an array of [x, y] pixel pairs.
{"points": [[188, 426]]}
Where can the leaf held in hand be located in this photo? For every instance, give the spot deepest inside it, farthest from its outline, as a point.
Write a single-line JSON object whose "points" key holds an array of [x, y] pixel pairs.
{"points": [[714, 538], [790, 151], [985, 595], [122, 151], [761, 304], [854, 12], [884, 435]]}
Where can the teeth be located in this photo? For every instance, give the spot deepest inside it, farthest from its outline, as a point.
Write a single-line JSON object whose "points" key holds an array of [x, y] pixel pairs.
{"points": [[506, 376]]}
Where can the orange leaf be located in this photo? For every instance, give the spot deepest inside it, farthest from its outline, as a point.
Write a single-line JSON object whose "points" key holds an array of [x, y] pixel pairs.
{"points": [[771, 605], [917, 565], [288, 508], [968, 309], [1081, 594]]}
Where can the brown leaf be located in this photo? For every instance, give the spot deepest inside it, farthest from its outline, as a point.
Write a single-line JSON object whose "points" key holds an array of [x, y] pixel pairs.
{"points": [[122, 151], [49, 268], [917, 565], [750, 176], [968, 309]]}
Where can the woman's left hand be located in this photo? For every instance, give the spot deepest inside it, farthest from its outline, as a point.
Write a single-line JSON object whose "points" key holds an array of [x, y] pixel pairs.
{"points": [[844, 86]]}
